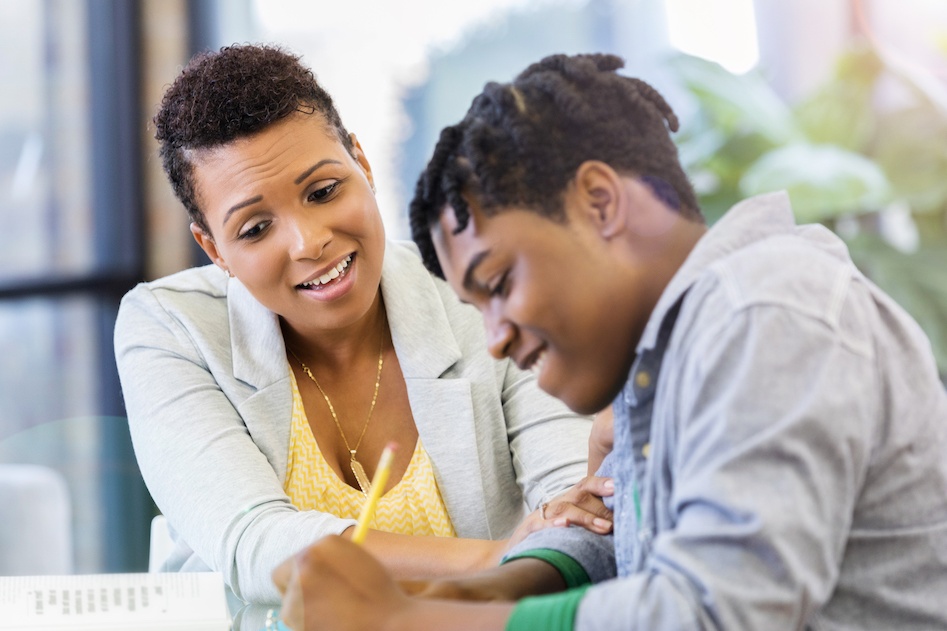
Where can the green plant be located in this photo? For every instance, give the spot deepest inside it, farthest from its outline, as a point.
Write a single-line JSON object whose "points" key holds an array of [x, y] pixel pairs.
{"points": [[844, 161]]}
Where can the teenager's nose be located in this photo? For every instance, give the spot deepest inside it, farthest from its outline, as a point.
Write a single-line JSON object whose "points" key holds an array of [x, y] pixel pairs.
{"points": [[500, 335]]}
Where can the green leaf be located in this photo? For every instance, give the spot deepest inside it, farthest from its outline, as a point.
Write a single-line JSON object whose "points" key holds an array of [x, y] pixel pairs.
{"points": [[911, 147], [736, 102], [823, 181], [916, 281], [841, 112]]}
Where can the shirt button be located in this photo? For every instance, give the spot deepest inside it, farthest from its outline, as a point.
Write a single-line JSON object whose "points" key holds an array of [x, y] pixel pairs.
{"points": [[644, 535], [643, 379], [646, 450]]}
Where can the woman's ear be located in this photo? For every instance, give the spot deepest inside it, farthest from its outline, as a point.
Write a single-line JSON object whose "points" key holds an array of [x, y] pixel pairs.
{"points": [[600, 194], [206, 241]]}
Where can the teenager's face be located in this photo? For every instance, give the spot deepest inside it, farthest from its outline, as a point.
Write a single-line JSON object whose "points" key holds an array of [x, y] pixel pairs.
{"points": [[293, 216], [547, 292]]}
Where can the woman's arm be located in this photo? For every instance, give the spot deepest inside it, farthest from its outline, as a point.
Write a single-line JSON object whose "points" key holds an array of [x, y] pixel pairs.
{"points": [[336, 583], [408, 557], [204, 469], [207, 471], [548, 442], [601, 440]]}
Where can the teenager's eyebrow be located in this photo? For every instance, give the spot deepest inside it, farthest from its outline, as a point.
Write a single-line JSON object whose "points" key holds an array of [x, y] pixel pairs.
{"points": [[317, 165], [236, 207], [472, 267]]}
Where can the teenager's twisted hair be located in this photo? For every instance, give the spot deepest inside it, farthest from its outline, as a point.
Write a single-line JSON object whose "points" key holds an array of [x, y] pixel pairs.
{"points": [[521, 143]]}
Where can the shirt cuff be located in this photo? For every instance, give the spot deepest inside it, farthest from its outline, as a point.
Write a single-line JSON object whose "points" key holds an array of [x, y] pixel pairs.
{"points": [[572, 572], [553, 612]]}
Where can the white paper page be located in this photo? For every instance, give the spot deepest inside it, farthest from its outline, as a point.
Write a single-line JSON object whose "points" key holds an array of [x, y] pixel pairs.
{"points": [[184, 601]]}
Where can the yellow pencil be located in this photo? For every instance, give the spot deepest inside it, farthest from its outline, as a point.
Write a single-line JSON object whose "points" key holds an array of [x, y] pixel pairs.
{"points": [[374, 493]]}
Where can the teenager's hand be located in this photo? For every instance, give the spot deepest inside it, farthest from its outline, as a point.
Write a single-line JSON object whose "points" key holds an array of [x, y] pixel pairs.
{"points": [[581, 505], [336, 584]]}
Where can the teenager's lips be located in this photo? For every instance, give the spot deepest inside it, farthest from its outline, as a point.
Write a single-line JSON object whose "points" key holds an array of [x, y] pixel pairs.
{"points": [[534, 360]]}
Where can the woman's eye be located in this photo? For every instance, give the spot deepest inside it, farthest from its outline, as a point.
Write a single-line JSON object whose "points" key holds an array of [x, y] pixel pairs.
{"points": [[324, 193], [254, 231]]}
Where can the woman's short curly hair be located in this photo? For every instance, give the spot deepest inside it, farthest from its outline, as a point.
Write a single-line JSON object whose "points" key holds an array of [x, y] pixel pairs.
{"points": [[229, 94], [521, 143]]}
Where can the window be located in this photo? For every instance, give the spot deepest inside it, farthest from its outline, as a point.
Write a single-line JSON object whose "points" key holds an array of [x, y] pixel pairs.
{"points": [[70, 202]]}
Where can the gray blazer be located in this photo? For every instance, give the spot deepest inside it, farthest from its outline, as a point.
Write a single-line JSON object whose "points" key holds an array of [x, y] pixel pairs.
{"points": [[209, 402]]}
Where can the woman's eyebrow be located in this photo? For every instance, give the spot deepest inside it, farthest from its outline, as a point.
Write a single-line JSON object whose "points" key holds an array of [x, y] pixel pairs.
{"points": [[317, 165], [242, 204]]}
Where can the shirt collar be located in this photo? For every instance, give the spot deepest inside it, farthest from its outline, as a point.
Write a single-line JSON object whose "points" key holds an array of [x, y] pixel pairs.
{"points": [[749, 221]]}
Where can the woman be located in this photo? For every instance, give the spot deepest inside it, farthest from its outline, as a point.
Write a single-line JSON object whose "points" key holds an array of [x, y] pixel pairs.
{"points": [[260, 397]]}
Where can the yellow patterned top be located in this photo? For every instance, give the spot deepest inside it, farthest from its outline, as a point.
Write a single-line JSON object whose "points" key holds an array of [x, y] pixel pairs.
{"points": [[413, 507]]}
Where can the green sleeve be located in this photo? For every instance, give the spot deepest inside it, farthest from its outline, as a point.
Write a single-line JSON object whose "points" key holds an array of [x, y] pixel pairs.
{"points": [[553, 612], [573, 573]]}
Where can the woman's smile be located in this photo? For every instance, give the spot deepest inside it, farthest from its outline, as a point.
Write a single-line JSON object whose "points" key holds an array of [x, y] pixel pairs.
{"points": [[332, 284]]}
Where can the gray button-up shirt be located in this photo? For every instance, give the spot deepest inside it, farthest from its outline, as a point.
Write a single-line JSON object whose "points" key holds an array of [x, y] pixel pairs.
{"points": [[780, 449]]}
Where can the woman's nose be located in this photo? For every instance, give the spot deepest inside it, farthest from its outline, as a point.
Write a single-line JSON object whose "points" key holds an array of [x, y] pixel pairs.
{"points": [[309, 236]]}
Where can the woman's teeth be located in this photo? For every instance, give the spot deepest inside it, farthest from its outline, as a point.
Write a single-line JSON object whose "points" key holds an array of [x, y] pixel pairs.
{"points": [[332, 274]]}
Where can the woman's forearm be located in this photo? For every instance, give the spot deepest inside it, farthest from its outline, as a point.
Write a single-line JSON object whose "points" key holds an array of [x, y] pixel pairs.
{"points": [[414, 557]]}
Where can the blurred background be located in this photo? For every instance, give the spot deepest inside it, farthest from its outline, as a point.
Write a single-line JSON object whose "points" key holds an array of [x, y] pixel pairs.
{"points": [[841, 102]]}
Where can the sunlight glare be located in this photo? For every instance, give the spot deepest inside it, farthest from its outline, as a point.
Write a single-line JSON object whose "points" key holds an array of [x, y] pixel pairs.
{"points": [[723, 31]]}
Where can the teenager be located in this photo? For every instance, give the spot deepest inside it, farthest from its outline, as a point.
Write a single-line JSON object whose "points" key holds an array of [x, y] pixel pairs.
{"points": [[780, 431]]}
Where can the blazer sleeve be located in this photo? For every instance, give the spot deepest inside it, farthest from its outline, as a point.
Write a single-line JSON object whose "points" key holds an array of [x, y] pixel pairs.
{"points": [[548, 442], [198, 459]]}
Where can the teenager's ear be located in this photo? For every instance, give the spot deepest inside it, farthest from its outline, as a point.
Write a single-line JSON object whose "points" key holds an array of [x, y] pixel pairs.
{"points": [[362, 160], [209, 246], [599, 189]]}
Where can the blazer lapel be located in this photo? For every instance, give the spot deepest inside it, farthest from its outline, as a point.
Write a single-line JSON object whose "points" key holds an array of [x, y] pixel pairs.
{"points": [[259, 361], [441, 402]]}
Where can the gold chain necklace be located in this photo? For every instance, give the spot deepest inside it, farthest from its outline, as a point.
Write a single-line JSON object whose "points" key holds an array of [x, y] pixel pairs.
{"points": [[364, 483]]}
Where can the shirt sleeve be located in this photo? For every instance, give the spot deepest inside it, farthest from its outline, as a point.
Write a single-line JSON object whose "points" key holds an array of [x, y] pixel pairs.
{"points": [[554, 612], [579, 555]]}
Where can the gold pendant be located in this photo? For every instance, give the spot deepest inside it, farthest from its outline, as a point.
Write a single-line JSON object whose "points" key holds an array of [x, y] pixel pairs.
{"points": [[363, 482]]}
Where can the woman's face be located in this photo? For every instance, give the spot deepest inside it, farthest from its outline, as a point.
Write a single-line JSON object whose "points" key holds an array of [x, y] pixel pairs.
{"points": [[293, 216]]}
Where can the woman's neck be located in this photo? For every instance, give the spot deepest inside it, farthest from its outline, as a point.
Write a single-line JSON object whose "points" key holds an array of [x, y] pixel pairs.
{"points": [[337, 349]]}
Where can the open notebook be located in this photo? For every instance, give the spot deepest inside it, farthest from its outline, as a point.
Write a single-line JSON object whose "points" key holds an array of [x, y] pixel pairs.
{"points": [[181, 601]]}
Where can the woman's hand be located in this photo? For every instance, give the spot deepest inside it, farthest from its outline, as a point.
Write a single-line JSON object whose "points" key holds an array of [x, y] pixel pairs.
{"points": [[581, 505]]}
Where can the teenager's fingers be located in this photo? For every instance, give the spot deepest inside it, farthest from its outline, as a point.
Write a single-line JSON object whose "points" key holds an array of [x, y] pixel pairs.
{"points": [[292, 612], [413, 587], [282, 573]]}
